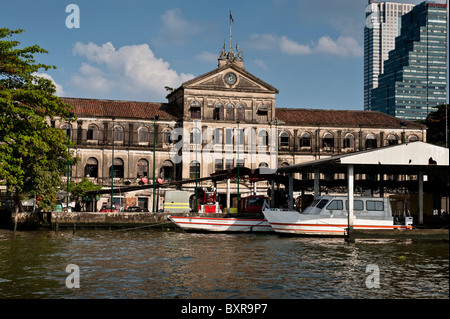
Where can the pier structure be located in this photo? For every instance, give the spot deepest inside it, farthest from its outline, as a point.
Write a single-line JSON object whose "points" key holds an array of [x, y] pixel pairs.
{"points": [[419, 160]]}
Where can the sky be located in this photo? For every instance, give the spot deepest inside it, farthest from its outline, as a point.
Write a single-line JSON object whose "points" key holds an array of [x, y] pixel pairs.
{"points": [[311, 51]]}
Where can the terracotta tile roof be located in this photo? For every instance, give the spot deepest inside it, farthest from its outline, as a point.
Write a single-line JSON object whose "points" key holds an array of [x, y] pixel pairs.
{"points": [[121, 109], [342, 118], [291, 116]]}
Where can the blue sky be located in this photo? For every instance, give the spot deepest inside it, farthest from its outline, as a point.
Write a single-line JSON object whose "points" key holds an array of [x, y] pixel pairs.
{"points": [[311, 51]]}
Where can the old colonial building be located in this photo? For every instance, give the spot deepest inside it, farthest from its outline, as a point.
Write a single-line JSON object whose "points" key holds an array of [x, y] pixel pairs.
{"points": [[219, 120]]}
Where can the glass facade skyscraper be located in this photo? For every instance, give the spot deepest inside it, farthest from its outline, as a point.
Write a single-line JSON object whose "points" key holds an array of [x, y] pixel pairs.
{"points": [[383, 23], [415, 75]]}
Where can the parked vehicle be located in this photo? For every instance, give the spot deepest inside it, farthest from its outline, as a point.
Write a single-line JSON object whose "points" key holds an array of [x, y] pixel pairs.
{"points": [[106, 208]]}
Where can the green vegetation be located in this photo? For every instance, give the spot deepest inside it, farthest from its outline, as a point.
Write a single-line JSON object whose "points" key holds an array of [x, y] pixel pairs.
{"points": [[33, 154]]}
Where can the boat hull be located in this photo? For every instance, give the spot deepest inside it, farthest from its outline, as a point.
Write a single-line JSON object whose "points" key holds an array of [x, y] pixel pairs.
{"points": [[215, 224], [294, 223]]}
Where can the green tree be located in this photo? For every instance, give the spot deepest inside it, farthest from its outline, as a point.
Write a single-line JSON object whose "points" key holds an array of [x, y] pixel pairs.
{"points": [[437, 125], [79, 190], [33, 154]]}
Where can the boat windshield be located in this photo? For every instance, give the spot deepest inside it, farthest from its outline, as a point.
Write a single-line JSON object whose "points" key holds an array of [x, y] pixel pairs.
{"points": [[314, 202], [322, 203], [256, 201]]}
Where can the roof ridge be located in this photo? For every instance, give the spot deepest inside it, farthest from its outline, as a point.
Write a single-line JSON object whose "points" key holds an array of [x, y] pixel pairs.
{"points": [[111, 100]]}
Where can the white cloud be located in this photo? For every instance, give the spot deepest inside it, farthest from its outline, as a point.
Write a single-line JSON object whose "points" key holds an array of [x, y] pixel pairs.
{"points": [[175, 28], [207, 57], [343, 46], [263, 41], [261, 64], [291, 47], [59, 88], [91, 80], [133, 70]]}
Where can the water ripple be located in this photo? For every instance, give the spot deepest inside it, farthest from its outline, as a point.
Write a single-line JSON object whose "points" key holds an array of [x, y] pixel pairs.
{"points": [[154, 264]]}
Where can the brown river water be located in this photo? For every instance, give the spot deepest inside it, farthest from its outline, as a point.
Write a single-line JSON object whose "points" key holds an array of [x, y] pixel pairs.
{"points": [[150, 264]]}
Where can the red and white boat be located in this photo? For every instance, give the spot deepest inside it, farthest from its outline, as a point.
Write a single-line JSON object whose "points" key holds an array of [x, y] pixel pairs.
{"points": [[221, 224], [328, 216], [249, 219]]}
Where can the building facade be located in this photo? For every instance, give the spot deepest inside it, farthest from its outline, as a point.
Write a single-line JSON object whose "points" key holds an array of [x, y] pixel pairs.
{"points": [[214, 122], [415, 75], [383, 24]]}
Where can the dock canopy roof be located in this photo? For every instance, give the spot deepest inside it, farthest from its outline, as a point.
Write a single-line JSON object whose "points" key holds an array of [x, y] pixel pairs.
{"points": [[409, 158]]}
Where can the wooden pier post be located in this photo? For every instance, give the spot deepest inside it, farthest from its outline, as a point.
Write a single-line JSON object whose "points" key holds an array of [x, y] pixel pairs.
{"points": [[350, 186]]}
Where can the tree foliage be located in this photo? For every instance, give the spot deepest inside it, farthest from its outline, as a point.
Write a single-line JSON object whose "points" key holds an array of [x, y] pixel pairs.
{"points": [[79, 190], [33, 154]]}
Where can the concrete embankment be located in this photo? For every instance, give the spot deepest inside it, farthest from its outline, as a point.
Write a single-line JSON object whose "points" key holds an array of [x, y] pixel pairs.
{"points": [[89, 220], [129, 220]]}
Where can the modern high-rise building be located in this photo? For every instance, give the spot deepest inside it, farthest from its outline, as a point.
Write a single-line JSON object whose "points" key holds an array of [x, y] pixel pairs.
{"points": [[415, 75], [383, 23]]}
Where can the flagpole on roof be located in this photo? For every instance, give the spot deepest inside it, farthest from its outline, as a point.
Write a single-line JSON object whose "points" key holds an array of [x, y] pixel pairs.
{"points": [[231, 19]]}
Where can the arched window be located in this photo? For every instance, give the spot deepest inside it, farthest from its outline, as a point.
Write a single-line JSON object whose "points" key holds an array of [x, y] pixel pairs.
{"points": [[196, 110], [229, 109], [118, 134], [371, 141], [118, 168], [305, 140], [413, 138], [240, 112], [263, 164], [143, 135], [92, 132], [392, 139], [167, 171], [218, 112], [284, 139], [263, 138], [142, 168], [91, 168], [349, 141], [328, 140], [194, 170]]}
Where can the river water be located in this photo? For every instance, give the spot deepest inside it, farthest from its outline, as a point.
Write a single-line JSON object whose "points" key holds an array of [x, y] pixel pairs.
{"points": [[171, 264]]}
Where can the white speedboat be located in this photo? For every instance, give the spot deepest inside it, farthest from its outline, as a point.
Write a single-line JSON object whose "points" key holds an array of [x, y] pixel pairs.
{"points": [[213, 223], [328, 216]]}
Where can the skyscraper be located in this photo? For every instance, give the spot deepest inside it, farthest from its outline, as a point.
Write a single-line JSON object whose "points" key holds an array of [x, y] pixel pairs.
{"points": [[415, 75], [383, 23]]}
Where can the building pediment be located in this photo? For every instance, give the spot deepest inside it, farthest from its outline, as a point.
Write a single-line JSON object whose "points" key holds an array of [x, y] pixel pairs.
{"points": [[229, 77]]}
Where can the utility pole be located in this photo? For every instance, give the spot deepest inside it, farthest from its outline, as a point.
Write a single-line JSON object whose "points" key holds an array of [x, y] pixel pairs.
{"points": [[112, 167], [154, 151]]}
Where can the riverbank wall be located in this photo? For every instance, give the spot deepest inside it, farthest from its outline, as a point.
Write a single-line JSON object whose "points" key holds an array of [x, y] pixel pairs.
{"points": [[88, 220], [138, 220]]}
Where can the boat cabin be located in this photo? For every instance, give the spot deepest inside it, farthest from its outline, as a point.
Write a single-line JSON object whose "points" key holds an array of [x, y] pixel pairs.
{"points": [[252, 204], [338, 206]]}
